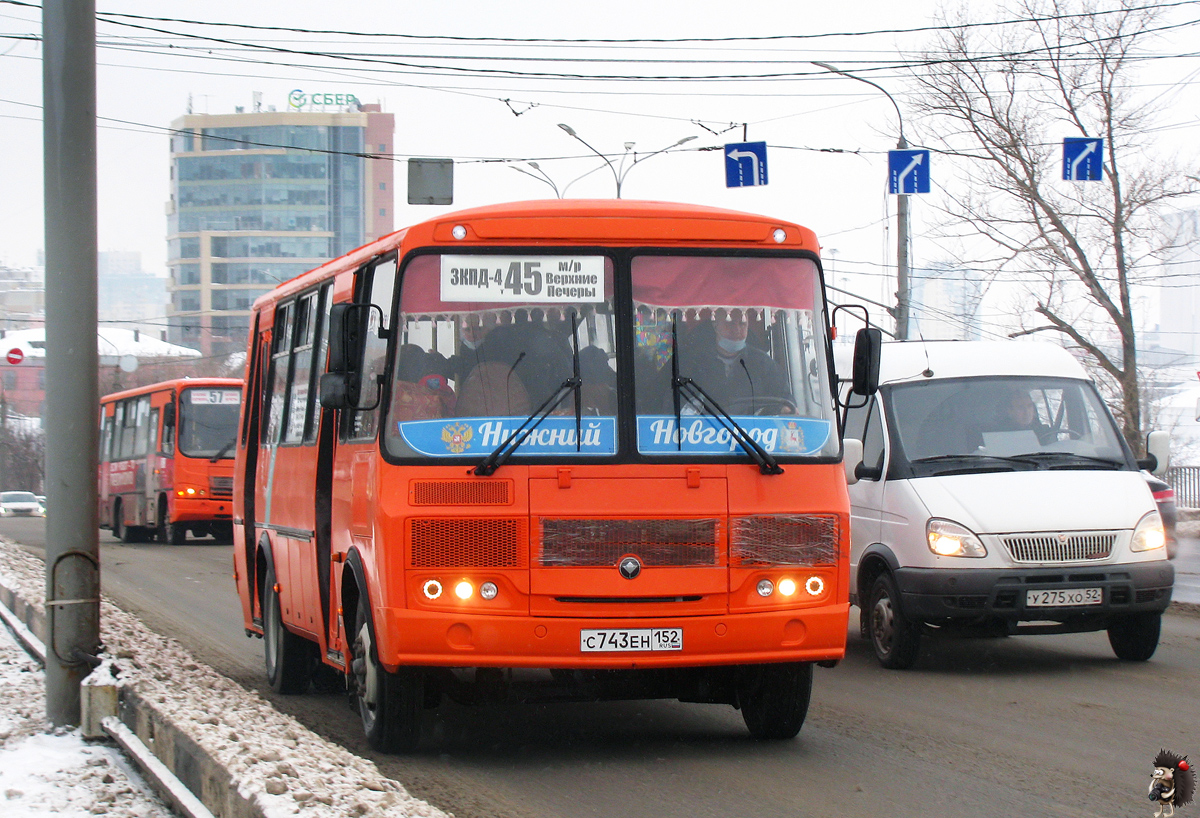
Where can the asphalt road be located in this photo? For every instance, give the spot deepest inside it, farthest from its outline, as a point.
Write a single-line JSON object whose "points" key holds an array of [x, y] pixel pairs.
{"points": [[1050, 725]]}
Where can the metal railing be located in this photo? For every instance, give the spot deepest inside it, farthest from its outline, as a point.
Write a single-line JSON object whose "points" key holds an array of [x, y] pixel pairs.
{"points": [[1186, 482]]}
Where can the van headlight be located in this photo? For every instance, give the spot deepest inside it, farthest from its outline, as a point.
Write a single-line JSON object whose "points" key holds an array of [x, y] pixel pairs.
{"points": [[1149, 533], [949, 539]]}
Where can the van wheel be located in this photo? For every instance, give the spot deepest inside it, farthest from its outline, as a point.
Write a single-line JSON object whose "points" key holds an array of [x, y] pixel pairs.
{"points": [[774, 698], [288, 656], [1134, 637], [389, 703], [895, 639]]}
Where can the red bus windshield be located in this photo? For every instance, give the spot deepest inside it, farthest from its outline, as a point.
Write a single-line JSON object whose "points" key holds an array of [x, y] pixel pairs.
{"points": [[208, 420]]}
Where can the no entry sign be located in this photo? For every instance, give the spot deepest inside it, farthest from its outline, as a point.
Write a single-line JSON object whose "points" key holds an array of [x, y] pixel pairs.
{"points": [[15, 356]]}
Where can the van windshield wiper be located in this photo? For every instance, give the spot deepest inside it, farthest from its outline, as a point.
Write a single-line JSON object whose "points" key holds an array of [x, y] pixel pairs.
{"points": [[686, 387], [973, 462], [571, 385], [1042, 457]]}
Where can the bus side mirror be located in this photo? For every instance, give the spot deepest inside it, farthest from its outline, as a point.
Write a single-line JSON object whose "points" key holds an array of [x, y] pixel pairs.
{"points": [[1158, 453], [339, 390], [168, 417], [865, 377], [345, 336]]}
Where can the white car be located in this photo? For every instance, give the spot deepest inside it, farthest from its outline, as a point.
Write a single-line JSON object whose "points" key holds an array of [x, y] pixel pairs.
{"points": [[20, 504]]}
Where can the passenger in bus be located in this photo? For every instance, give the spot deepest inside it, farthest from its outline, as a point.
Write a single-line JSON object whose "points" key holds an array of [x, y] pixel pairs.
{"points": [[417, 393], [518, 366], [739, 376]]}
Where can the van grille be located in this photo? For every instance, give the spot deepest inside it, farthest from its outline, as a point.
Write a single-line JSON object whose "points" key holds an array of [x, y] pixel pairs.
{"points": [[455, 542], [575, 542], [1074, 546], [220, 486]]}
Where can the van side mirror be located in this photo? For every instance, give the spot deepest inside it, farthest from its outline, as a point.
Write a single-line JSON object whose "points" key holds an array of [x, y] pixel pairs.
{"points": [[168, 417], [864, 379], [1158, 453], [852, 451]]}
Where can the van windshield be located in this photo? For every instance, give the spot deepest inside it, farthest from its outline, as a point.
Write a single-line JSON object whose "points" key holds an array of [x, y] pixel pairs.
{"points": [[1003, 423]]}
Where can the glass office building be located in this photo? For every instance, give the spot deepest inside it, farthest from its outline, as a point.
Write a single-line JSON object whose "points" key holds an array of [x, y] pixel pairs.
{"points": [[257, 198]]}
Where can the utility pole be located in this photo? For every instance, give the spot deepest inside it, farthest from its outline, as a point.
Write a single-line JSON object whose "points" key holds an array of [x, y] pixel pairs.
{"points": [[72, 379], [903, 295]]}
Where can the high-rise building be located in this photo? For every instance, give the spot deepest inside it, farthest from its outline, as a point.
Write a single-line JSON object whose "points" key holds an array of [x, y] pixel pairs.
{"points": [[257, 198]]}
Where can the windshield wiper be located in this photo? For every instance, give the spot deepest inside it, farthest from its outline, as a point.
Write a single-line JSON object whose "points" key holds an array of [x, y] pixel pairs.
{"points": [[952, 458], [1106, 461], [221, 452], [767, 464], [571, 385]]}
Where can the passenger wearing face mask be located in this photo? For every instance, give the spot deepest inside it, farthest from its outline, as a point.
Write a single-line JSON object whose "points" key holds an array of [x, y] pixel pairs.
{"points": [[739, 376]]}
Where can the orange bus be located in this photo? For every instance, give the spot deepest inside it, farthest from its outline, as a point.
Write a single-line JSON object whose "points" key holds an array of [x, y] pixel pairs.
{"points": [[166, 459], [548, 451]]}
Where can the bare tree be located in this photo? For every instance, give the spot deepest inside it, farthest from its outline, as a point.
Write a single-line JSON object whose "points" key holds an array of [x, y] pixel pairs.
{"points": [[1001, 99]]}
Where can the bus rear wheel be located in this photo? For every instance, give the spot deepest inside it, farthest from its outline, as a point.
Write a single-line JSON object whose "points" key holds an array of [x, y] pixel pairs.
{"points": [[126, 533], [289, 657], [774, 698], [389, 704]]}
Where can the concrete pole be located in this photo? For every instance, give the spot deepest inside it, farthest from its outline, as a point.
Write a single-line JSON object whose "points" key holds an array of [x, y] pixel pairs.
{"points": [[903, 294], [72, 403]]}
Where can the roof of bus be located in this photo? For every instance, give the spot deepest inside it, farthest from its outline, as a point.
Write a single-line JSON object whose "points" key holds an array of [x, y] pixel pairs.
{"points": [[163, 386], [920, 360], [549, 222]]}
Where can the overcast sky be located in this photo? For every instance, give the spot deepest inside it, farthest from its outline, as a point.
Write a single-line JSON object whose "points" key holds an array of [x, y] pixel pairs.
{"points": [[828, 135]]}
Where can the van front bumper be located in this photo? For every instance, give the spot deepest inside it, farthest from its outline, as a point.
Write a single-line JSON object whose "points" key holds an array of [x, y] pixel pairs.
{"points": [[939, 593]]}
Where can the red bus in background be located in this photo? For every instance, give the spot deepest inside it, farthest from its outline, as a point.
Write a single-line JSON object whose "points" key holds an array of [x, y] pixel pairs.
{"points": [[548, 451], [166, 460]]}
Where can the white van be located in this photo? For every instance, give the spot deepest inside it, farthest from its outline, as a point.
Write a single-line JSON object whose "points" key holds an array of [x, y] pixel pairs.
{"points": [[996, 495]]}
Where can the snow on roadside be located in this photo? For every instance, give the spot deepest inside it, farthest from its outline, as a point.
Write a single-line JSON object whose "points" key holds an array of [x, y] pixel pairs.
{"points": [[275, 760], [49, 772]]}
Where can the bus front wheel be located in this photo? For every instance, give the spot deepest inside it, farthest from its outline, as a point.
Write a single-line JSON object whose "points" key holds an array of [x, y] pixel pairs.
{"points": [[288, 656], [389, 703], [168, 532], [774, 698]]}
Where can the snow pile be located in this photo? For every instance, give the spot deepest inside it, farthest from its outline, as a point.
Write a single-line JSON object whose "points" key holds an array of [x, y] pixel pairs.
{"points": [[276, 761], [46, 772]]}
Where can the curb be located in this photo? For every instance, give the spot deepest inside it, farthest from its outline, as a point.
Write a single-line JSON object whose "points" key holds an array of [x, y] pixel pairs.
{"points": [[179, 770]]}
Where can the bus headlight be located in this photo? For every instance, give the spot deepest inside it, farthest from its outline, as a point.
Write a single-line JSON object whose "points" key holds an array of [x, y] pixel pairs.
{"points": [[765, 587], [432, 589], [464, 589], [815, 586], [787, 587], [949, 539], [1149, 533], [488, 590]]}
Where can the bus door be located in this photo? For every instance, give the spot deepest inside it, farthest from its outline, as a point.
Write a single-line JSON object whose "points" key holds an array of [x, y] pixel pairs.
{"points": [[354, 492]]}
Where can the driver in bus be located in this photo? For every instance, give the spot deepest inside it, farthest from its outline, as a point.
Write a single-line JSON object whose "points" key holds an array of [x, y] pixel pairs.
{"points": [[739, 376]]}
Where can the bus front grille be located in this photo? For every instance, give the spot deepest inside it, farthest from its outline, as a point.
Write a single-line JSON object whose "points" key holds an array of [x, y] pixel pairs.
{"points": [[458, 542], [220, 486], [460, 492], [1075, 546], [783, 539], [596, 543]]}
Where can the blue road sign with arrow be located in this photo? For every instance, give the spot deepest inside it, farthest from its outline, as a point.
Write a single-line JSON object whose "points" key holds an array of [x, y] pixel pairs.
{"points": [[746, 164], [908, 171], [1083, 159]]}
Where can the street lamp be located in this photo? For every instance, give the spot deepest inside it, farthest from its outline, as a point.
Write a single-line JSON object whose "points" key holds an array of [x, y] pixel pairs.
{"points": [[542, 176], [619, 173], [902, 264]]}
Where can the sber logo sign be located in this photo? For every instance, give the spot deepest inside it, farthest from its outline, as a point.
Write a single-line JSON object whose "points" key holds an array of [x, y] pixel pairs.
{"points": [[300, 101]]}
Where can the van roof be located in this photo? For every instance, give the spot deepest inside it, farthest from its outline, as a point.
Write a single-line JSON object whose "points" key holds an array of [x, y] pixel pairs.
{"points": [[908, 360]]}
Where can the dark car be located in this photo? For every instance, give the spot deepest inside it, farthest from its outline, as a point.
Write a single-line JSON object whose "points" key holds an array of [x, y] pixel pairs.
{"points": [[1164, 497]]}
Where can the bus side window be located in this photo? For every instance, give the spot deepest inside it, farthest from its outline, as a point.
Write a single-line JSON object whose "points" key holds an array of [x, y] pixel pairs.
{"points": [[141, 438], [377, 289], [155, 414], [170, 419], [277, 380], [323, 303], [299, 403]]}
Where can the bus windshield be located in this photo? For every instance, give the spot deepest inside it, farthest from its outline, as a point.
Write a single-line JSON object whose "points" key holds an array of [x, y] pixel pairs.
{"points": [[749, 333], [208, 422], [485, 340]]}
